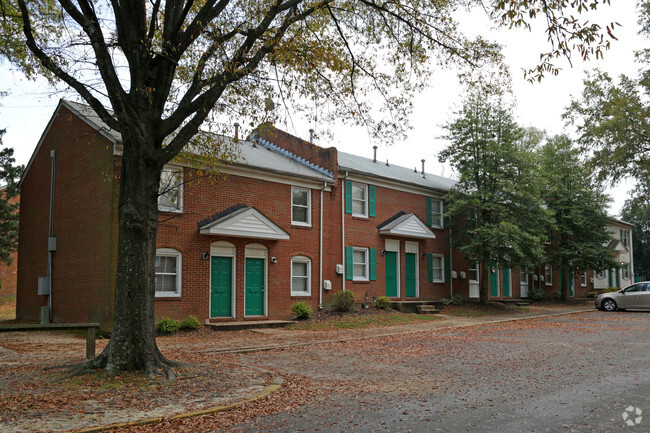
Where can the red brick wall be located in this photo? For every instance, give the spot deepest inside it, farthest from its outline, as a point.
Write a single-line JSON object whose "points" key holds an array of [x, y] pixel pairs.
{"points": [[83, 224]]}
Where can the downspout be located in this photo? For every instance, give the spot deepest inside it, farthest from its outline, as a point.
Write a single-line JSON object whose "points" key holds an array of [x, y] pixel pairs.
{"points": [[320, 255], [343, 226], [51, 233], [451, 260]]}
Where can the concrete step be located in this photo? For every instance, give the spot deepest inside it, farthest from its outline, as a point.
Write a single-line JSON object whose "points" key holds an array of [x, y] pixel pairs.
{"points": [[411, 306], [516, 301], [427, 309], [248, 324]]}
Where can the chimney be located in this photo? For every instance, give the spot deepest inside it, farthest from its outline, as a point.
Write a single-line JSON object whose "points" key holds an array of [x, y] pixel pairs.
{"points": [[311, 135], [236, 131], [374, 159], [423, 168]]}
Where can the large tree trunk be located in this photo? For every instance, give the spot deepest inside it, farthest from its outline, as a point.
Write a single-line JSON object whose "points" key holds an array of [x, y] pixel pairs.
{"points": [[484, 284], [564, 283], [133, 345]]}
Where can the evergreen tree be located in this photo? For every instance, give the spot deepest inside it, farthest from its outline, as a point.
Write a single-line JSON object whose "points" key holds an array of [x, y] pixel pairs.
{"points": [[9, 176], [579, 237], [637, 211]]}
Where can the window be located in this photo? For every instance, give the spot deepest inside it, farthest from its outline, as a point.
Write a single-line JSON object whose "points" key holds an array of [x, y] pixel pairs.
{"points": [[168, 272], [437, 213], [625, 270], [300, 276], [360, 264], [438, 268], [359, 200], [600, 274], [170, 191], [625, 237], [548, 275], [523, 276], [583, 281], [473, 272], [300, 206]]}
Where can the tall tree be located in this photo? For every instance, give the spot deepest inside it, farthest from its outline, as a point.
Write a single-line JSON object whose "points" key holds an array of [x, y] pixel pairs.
{"points": [[637, 211], [579, 237], [9, 176], [155, 71], [612, 117], [495, 208]]}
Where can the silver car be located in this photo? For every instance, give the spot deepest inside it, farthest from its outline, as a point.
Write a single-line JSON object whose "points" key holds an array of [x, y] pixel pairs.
{"points": [[635, 296]]}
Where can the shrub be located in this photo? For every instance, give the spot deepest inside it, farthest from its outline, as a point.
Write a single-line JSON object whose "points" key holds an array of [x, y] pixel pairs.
{"points": [[344, 301], [536, 294], [455, 300], [557, 295], [191, 322], [592, 294], [301, 310], [383, 303], [167, 326]]}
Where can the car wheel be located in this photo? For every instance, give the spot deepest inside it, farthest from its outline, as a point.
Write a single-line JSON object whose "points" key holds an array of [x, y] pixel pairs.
{"points": [[609, 305]]}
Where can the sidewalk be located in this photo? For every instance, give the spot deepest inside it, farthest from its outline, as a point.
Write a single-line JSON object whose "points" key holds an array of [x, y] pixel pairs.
{"points": [[30, 402]]}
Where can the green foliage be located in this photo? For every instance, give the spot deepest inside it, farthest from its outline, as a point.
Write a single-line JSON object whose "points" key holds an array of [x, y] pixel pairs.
{"points": [[383, 303], [578, 206], [536, 294], [495, 208], [190, 322], [344, 301], [166, 326], [9, 177], [301, 310], [455, 299], [637, 211]]}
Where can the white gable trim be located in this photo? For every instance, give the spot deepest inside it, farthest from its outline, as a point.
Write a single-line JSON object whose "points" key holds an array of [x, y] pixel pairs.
{"points": [[409, 226], [245, 223]]}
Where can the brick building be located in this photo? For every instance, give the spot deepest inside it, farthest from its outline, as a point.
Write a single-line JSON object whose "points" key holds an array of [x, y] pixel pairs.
{"points": [[286, 221]]}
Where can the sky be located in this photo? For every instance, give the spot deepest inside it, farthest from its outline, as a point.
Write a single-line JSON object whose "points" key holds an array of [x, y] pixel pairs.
{"points": [[24, 113]]}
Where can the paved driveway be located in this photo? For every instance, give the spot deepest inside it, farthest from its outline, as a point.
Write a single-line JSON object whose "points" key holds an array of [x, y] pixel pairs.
{"points": [[575, 373]]}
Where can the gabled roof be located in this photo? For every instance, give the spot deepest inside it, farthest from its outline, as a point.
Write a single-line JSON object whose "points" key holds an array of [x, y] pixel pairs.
{"points": [[242, 221], [366, 166], [406, 225], [617, 245]]}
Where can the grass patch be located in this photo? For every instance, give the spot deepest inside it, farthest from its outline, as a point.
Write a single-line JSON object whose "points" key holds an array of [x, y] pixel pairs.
{"points": [[357, 322], [7, 307]]}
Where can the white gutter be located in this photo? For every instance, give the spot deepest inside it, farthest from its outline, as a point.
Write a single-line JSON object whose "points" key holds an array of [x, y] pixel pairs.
{"points": [[320, 255], [343, 225]]}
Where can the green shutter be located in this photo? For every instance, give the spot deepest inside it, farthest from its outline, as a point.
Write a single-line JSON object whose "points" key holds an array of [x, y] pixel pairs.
{"points": [[429, 219], [371, 201], [348, 196], [447, 267], [430, 267], [349, 269], [373, 264]]}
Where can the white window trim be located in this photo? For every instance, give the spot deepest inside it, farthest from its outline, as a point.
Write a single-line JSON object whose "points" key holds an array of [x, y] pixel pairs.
{"points": [[601, 275], [439, 216], [442, 268], [625, 272], [365, 201], [523, 277], [366, 276], [301, 223], [583, 279], [179, 209], [548, 275], [477, 272], [301, 259], [170, 252]]}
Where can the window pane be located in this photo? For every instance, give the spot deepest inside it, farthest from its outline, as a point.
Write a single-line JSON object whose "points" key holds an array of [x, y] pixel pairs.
{"points": [[358, 207], [435, 206], [165, 283], [169, 189], [359, 256], [359, 270], [300, 197], [299, 269], [299, 284], [358, 192], [300, 214]]}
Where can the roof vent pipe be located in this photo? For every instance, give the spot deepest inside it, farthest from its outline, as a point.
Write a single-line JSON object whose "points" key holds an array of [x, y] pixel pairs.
{"points": [[236, 130], [374, 159], [423, 168], [311, 135]]}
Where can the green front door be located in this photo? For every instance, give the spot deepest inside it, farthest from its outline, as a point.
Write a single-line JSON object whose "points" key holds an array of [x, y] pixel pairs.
{"points": [[506, 281], [391, 274], [410, 275], [494, 281], [221, 287], [254, 299]]}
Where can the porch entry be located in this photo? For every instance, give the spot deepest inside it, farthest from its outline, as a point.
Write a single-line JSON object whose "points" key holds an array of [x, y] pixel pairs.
{"points": [[222, 279], [506, 282], [411, 269], [391, 250]]}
